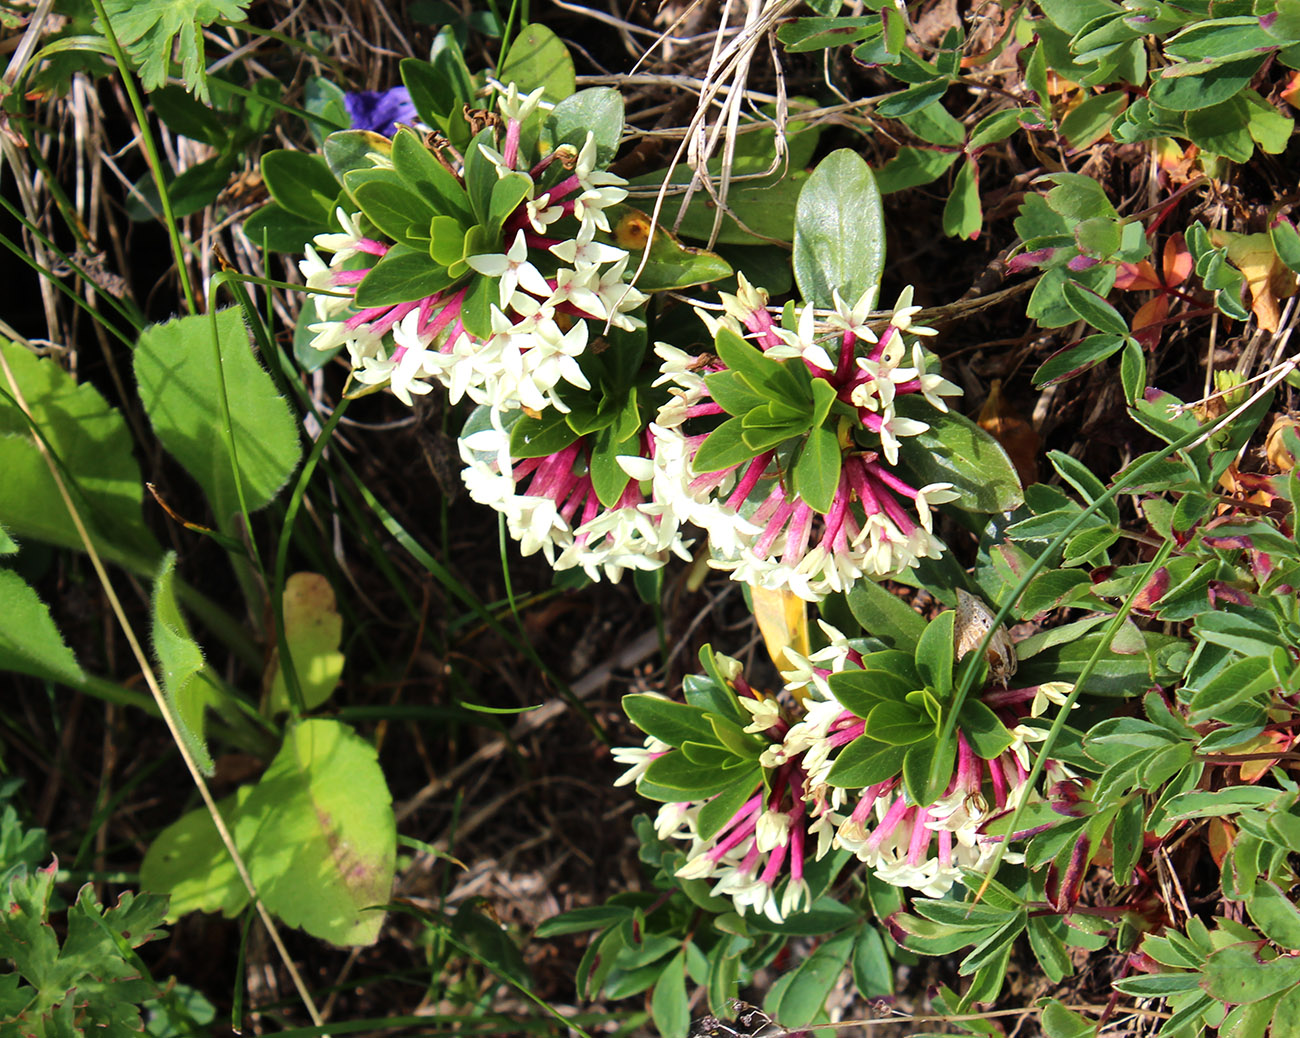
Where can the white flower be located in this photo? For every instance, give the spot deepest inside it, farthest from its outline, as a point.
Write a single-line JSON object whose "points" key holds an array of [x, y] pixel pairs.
{"points": [[513, 108], [766, 713], [584, 250], [639, 757], [513, 269], [853, 319]]}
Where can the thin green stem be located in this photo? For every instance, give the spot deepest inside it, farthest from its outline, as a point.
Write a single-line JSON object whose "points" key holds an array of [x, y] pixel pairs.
{"points": [[152, 154]]}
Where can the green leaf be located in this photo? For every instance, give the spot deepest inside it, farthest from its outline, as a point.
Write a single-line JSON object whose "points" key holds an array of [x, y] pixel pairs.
{"points": [[1094, 309], [1186, 88], [92, 448], [934, 654], [864, 762], [152, 33], [1286, 243], [90, 985], [912, 167], [1078, 198], [669, 722], [899, 724], [724, 448], [913, 99], [537, 58], [873, 973], [839, 238], [885, 616], [396, 210], [1268, 127], [1059, 1022], [402, 275], [878, 682], [1240, 682], [188, 862], [987, 735], [30, 642], [1077, 358], [1275, 914], [817, 472], [429, 177], [322, 836], [1091, 119], [803, 996], [596, 110], [671, 265], [962, 215], [301, 183], [668, 1005], [180, 378], [185, 687], [313, 629], [1236, 974], [1222, 129], [955, 450], [723, 807], [279, 230]]}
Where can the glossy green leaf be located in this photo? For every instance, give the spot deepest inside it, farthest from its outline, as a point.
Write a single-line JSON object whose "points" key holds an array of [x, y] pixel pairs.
{"points": [[934, 654], [669, 722], [596, 110], [538, 58], [398, 211], [178, 377], [671, 264], [322, 836], [402, 275], [839, 239], [1077, 358], [864, 762], [884, 615], [955, 450], [301, 183], [1222, 129], [817, 472], [279, 230], [430, 178]]}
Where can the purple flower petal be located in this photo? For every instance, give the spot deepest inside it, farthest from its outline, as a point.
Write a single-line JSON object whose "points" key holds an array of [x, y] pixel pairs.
{"points": [[380, 110]]}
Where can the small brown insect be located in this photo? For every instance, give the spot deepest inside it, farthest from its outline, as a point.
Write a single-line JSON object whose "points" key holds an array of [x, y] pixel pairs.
{"points": [[971, 625]]}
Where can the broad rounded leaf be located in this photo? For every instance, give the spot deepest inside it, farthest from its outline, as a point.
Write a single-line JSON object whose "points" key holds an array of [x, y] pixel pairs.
{"points": [[955, 450], [188, 862], [93, 447], [313, 629], [839, 232], [538, 58], [598, 111], [321, 835], [177, 371], [1236, 974]]}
